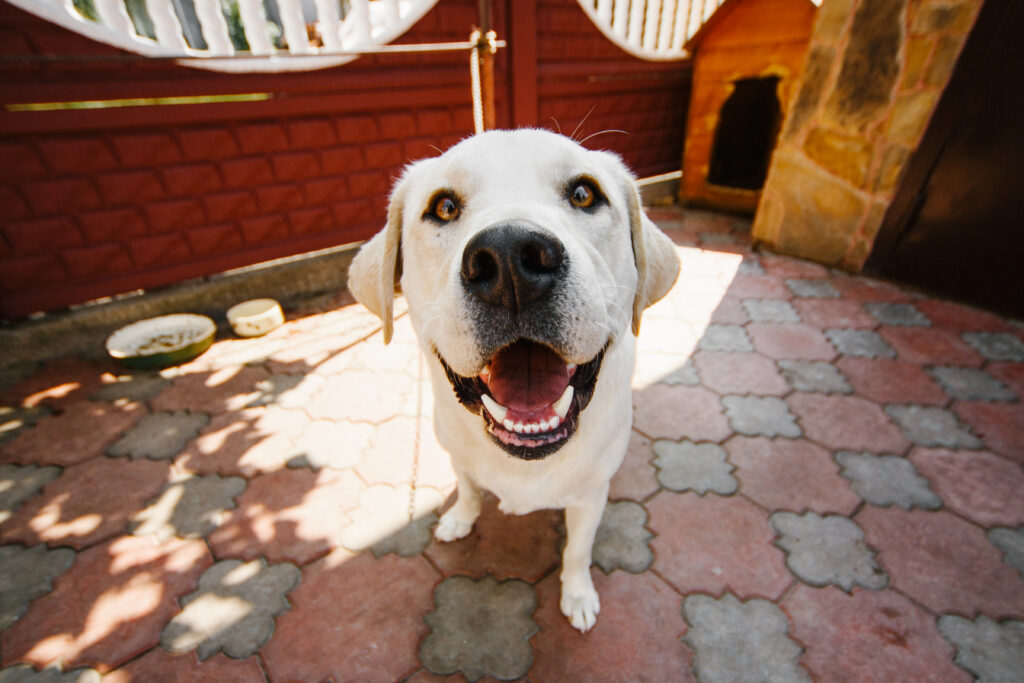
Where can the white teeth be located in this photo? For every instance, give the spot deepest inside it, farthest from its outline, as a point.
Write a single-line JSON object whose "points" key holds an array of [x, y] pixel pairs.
{"points": [[498, 412], [518, 427], [561, 406], [545, 426], [555, 421], [508, 424]]}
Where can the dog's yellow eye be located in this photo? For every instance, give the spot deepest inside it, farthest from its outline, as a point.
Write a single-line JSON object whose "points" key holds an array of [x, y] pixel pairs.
{"points": [[583, 195], [445, 209]]}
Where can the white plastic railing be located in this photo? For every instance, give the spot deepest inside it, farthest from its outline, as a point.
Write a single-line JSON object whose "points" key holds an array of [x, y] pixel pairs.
{"points": [[361, 24], [655, 30]]}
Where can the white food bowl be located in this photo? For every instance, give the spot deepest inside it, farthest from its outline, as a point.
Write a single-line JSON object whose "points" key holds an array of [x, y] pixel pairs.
{"points": [[162, 341], [256, 317]]}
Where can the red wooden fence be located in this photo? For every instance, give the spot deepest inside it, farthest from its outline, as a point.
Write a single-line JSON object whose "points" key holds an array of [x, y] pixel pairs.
{"points": [[95, 202]]}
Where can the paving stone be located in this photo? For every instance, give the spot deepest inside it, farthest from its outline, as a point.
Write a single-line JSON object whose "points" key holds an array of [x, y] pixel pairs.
{"points": [[636, 478], [740, 641], [761, 415], [333, 444], [82, 431], [927, 426], [20, 673], [19, 483], [710, 544], [866, 343], [674, 412], [139, 388], [795, 341], [827, 550], [750, 266], [999, 346], [90, 502], [1001, 425], [901, 315], [815, 288], [771, 310], [58, 384], [622, 540], [992, 652], [671, 334], [158, 665], [758, 287], [246, 442], [689, 466], [382, 511], [212, 391], [739, 373], [665, 368], [961, 317], [26, 574], [886, 480], [110, 606], [1012, 544], [480, 628], [330, 635], [847, 422], [970, 384], [391, 456], [1011, 374], [410, 540], [943, 562], [863, 289], [287, 391], [15, 419], [981, 486], [766, 467], [189, 508], [788, 267], [869, 636], [730, 311], [232, 610], [620, 647], [815, 376], [159, 436], [731, 338], [364, 396], [891, 381], [834, 314], [931, 346]]}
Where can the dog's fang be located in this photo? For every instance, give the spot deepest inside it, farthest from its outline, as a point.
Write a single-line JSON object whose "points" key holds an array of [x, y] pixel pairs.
{"points": [[555, 421], [497, 411], [508, 424], [561, 406]]}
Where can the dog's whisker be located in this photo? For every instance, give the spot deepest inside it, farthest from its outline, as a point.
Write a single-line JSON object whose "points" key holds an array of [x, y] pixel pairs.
{"points": [[580, 124], [557, 125], [602, 132]]}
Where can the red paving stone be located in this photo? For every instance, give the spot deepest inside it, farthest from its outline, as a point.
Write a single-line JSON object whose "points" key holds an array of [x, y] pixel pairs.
{"points": [[961, 318], [847, 423], [373, 637], [866, 290], [790, 341], [83, 430], [662, 411], [943, 562], [212, 392], [620, 647], [109, 606], [90, 502], [784, 267], [245, 442], [1010, 374], [891, 381], [709, 544], [869, 636], [158, 665], [930, 346], [363, 396], [388, 459], [739, 373], [1000, 425], [636, 478], [981, 486], [759, 287], [60, 382], [783, 474], [834, 314]]}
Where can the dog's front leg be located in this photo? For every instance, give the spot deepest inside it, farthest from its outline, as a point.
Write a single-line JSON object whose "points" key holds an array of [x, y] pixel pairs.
{"points": [[580, 602], [458, 521]]}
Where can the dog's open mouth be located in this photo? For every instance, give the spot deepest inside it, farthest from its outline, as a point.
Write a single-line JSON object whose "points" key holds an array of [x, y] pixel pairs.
{"points": [[529, 397]]}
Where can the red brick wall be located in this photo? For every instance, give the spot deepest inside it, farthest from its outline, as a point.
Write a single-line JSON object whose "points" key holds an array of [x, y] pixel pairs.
{"points": [[98, 202]]}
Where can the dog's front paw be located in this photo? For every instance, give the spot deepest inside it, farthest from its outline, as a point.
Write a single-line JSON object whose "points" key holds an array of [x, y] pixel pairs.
{"points": [[581, 605], [452, 526]]}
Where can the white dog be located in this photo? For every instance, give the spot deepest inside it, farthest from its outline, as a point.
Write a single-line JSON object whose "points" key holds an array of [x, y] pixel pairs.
{"points": [[526, 261]]}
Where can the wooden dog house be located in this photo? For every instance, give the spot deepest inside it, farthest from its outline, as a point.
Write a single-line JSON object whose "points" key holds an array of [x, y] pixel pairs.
{"points": [[747, 60]]}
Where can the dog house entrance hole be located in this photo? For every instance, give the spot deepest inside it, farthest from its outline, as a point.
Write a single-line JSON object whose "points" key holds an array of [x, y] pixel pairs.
{"points": [[747, 127]]}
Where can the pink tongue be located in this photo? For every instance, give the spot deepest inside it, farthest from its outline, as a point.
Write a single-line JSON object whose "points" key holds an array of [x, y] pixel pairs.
{"points": [[527, 376]]}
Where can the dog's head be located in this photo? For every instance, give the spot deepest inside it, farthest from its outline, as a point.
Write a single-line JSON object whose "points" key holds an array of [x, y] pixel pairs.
{"points": [[523, 257]]}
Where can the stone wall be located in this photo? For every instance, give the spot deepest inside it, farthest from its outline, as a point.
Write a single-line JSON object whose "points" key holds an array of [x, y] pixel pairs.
{"points": [[874, 72]]}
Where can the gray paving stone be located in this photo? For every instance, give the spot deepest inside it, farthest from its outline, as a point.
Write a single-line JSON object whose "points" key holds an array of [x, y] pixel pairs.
{"points": [[827, 550], [159, 436], [930, 426], [622, 540], [761, 415], [971, 384], [1001, 346], [26, 574], [481, 628], [22, 673], [993, 652], [232, 610], [771, 311], [14, 420], [867, 343], [750, 266], [886, 480], [190, 508], [689, 466], [135, 388], [725, 338], [813, 289], [684, 375], [1011, 542], [740, 641], [18, 483], [287, 391], [410, 540], [11, 374], [904, 315], [814, 376]]}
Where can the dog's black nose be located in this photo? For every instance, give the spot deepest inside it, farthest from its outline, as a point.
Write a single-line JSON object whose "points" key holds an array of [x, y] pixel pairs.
{"points": [[511, 264]]}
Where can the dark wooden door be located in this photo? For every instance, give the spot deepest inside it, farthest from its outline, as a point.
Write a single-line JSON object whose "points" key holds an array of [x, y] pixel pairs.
{"points": [[956, 226]]}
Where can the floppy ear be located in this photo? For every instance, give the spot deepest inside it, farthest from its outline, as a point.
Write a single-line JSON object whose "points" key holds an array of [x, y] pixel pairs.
{"points": [[657, 264], [376, 268]]}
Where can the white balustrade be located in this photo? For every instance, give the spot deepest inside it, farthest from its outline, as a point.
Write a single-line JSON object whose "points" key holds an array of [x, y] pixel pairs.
{"points": [[651, 29]]}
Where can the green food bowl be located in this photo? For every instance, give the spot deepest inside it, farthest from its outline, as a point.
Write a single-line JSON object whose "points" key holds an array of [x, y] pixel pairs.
{"points": [[162, 341]]}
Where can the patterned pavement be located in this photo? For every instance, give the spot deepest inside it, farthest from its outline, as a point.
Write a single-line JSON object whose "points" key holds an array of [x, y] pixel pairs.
{"points": [[825, 482]]}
